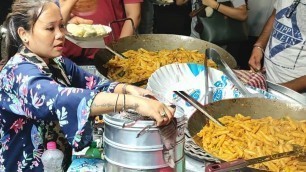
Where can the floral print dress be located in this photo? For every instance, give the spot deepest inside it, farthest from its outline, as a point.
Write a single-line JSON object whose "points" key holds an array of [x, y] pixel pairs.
{"points": [[40, 102]]}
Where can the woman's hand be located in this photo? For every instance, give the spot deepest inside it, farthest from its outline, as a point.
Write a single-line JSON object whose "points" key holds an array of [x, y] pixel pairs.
{"points": [[137, 91], [160, 112], [79, 20], [210, 3], [255, 59]]}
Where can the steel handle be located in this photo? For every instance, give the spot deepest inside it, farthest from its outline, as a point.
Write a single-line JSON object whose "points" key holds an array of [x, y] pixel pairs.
{"points": [[226, 166], [122, 20]]}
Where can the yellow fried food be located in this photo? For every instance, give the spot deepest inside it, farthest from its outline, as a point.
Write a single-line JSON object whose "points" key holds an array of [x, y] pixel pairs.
{"points": [[243, 137], [140, 64]]}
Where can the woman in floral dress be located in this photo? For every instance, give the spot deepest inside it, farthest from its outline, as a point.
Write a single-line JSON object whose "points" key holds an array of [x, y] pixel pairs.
{"points": [[44, 96]]}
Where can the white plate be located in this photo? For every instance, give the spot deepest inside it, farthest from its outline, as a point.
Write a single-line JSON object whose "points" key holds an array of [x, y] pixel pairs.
{"points": [[108, 30], [189, 77], [90, 42]]}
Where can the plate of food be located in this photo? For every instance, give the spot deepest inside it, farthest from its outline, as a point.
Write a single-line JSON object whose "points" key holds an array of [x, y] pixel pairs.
{"points": [[87, 32]]}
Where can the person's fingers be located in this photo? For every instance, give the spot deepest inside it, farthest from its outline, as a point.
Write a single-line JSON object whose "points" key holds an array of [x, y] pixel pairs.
{"points": [[169, 111], [167, 117], [159, 119], [85, 21], [254, 64], [79, 20]]}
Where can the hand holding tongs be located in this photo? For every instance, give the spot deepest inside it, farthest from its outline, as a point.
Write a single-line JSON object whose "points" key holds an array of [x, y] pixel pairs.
{"points": [[222, 65], [197, 105], [241, 163]]}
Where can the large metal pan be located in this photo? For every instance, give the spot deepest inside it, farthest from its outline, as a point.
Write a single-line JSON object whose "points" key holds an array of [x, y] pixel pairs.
{"points": [[254, 107], [156, 42]]}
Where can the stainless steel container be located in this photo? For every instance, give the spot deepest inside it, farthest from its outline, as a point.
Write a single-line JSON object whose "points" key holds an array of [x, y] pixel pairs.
{"points": [[125, 152]]}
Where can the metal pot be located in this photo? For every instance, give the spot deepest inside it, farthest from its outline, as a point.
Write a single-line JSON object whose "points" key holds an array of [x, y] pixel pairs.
{"points": [[254, 107], [124, 150], [156, 42]]}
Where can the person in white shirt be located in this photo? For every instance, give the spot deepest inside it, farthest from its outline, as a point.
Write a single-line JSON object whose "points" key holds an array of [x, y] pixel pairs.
{"points": [[283, 39], [258, 13]]}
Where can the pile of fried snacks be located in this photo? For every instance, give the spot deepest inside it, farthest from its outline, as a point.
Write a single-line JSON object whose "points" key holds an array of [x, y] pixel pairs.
{"points": [[140, 64], [243, 137]]}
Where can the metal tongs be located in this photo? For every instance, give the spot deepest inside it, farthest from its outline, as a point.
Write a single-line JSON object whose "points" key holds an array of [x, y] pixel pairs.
{"points": [[197, 105], [241, 163], [215, 56]]}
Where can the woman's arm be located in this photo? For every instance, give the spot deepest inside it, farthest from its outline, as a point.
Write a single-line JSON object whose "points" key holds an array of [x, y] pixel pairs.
{"points": [[181, 2], [238, 13], [110, 102], [66, 8], [132, 11]]}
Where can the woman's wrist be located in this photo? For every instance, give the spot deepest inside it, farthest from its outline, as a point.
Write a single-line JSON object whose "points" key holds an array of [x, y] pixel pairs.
{"points": [[121, 88], [217, 6]]}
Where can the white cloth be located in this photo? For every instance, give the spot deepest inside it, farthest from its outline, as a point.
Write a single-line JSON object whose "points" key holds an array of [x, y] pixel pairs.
{"points": [[258, 13], [195, 34], [285, 55], [193, 165]]}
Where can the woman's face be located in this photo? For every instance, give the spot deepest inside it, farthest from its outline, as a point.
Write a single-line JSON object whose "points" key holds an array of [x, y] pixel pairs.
{"points": [[48, 34]]}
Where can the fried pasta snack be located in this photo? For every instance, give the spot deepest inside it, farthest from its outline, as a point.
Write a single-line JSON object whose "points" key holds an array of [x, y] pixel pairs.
{"points": [[243, 137], [140, 64]]}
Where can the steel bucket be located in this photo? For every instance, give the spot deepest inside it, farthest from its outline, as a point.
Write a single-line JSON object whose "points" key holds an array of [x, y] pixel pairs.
{"points": [[125, 152]]}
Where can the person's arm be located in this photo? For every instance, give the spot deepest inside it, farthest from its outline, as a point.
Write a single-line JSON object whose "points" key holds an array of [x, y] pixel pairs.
{"points": [[132, 11], [181, 2], [261, 43], [106, 101], [66, 8], [298, 84], [238, 13]]}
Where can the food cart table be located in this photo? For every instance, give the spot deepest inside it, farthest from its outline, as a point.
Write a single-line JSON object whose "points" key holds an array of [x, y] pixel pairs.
{"points": [[191, 165]]}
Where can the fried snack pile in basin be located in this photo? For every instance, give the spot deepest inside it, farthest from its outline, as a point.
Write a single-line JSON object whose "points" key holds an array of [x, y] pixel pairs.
{"points": [[140, 64], [243, 137]]}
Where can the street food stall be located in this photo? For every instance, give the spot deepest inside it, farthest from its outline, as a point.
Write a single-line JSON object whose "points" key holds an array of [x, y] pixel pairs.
{"points": [[124, 151]]}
